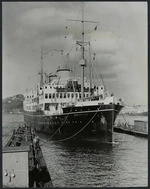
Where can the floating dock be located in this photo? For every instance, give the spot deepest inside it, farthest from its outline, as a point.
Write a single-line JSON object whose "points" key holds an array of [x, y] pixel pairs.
{"points": [[23, 161], [140, 128]]}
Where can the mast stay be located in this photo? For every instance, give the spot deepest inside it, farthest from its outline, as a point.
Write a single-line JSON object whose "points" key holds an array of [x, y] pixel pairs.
{"points": [[82, 43]]}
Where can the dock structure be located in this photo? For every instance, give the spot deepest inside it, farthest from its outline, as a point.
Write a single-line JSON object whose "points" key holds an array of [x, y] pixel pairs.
{"points": [[23, 161], [140, 128]]}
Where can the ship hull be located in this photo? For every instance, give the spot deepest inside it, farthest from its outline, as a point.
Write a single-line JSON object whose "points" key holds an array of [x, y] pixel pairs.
{"points": [[81, 122]]}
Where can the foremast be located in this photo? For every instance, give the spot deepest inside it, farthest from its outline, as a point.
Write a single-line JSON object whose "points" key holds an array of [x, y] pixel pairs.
{"points": [[42, 72]]}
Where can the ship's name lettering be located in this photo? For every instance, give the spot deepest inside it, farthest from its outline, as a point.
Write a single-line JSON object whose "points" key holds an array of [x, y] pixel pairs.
{"points": [[80, 114]]}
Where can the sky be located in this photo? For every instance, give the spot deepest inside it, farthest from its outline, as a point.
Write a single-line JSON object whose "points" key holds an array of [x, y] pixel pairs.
{"points": [[120, 44]]}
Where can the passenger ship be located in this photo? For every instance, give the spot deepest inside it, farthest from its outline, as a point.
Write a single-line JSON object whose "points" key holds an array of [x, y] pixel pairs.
{"points": [[66, 106]]}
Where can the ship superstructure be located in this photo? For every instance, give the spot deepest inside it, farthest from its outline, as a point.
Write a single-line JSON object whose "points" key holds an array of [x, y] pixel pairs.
{"points": [[66, 105], [62, 91]]}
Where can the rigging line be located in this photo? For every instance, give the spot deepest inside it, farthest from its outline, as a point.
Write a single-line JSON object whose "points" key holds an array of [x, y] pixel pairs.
{"points": [[58, 128], [78, 131], [113, 116], [74, 62], [75, 33], [67, 60], [94, 68], [78, 56], [73, 86], [66, 56], [88, 34], [98, 77], [93, 64], [92, 49], [70, 50], [95, 72], [127, 123], [103, 82], [90, 70]]}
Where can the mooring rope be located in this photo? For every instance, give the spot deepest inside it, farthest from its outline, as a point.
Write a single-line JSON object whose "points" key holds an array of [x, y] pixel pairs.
{"points": [[78, 131], [127, 123], [57, 129], [73, 134]]}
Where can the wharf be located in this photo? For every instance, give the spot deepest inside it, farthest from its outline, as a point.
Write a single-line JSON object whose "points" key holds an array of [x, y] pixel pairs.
{"points": [[23, 161], [140, 128], [125, 131]]}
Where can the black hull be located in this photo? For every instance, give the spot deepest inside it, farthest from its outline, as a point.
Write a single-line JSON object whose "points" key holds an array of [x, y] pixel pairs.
{"points": [[84, 122]]}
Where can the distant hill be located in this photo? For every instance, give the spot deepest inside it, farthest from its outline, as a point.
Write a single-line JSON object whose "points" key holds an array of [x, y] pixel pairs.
{"points": [[139, 110], [13, 104], [139, 114]]}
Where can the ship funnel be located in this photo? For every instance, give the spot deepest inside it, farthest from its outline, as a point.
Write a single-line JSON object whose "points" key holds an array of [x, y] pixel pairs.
{"points": [[63, 73]]}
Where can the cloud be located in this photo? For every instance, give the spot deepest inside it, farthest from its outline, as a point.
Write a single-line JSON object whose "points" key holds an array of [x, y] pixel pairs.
{"points": [[120, 41]]}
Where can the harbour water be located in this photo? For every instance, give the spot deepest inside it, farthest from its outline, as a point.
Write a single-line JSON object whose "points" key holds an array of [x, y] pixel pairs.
{"points": [[75, 163]]}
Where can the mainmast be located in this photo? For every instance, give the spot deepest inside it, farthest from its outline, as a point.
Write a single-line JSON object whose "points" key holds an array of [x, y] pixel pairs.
{"points": [[82, 61], [82, 43], [41, 73]]}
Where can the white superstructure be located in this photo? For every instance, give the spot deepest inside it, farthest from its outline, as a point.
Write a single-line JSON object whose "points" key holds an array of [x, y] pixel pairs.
{"points": [[62, 91]]}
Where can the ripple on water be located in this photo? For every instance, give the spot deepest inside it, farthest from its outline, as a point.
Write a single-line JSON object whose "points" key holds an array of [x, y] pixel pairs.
{"points": [[77, 163]]}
